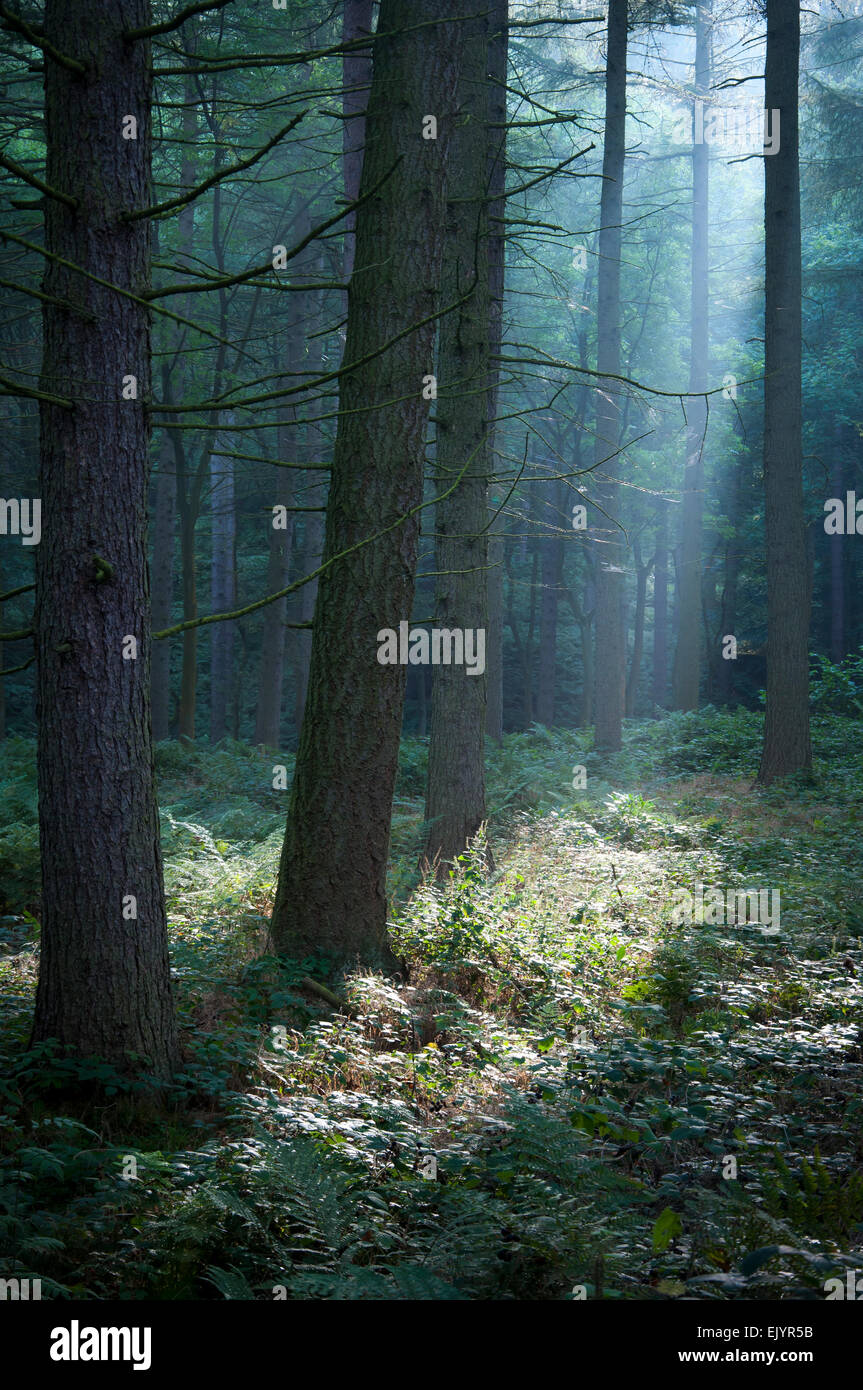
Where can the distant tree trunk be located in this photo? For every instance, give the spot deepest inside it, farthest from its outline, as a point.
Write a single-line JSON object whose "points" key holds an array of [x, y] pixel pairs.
{"points": [[104, 983], [331, 894], [836, 547], [314, 495], [187, 492], [498, 58], [223, 593], [610, 649], [642, 571], [2, 681], [162, 579], [422, 703], [686, 677], [312, 548], [357, 76], [731, 569], [268, 718], [583, 614], [189, 669], [455, 797], [787, 746], [660, 607], [551, 577]]}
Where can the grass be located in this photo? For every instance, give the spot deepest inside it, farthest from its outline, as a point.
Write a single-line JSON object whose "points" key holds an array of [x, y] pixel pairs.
{"points": [[571, 1094]]}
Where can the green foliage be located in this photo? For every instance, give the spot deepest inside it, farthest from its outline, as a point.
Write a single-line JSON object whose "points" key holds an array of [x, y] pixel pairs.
{"points": [[549, 1099], [837, 687]]}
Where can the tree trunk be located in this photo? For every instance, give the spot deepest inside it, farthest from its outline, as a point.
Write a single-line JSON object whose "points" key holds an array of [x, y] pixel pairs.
{"points": [[610, 649], [162, 580], [104, 983], [187, 502], [686, 678], [836, 547], [550, 578], [268, 718], [314, 495], [223, 593], [455, 797], [498, 58], [331, 894], [660, 607], [357, 75], [787, 746], [189, 669], [642, 572], [731, 570]]}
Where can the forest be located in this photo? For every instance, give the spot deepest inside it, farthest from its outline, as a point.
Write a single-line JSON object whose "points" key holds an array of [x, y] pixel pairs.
{"points": [[431, 658]]}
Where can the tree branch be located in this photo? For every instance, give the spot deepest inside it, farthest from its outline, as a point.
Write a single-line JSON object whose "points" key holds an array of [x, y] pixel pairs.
{"points": [[20, 26], [225, 280], [13, 389], [131, 35], [45, 188], [160, 209]]}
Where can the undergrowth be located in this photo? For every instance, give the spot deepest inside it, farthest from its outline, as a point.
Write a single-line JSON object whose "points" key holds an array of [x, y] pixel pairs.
{"points": [[571, 1093]]}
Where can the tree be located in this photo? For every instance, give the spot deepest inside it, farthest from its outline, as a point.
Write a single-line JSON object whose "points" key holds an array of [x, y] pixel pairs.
{"points": [[455, 798], [610, 654], [787, 746], [104, 984], [686, 678], [498, 57], [331, 893]]}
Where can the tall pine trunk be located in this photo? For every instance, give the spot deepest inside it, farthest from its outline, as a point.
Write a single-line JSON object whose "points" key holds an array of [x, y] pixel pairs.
{"points": [[455, 799], [660, 607], [498, 51], [610, 654], [162, 579], [356, 73], [331, 894], [268, 717], [104, 984], [223, 593], [686, 677], [787, 746], [551, 575]]}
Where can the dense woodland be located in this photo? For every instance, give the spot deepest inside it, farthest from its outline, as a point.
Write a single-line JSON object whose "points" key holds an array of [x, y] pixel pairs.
{"points": [[432, 650]]}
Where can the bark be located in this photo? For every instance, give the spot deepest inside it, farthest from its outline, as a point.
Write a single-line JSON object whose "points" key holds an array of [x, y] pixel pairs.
{"points": [[686, 678], [642, 571], [551, 575], [162, 580], [836, 548], [357, 75], [455, 797], [660, 607], [331, 894], [188, 494], [787, 746], [268, 718], [189, 669], [104, 983], [223, 590], [738, 483], [314, 495], [498, 51], [610, 649]]}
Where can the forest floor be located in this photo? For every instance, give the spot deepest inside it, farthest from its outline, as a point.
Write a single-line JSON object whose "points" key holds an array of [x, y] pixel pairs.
{"points": [[569, 1093]]}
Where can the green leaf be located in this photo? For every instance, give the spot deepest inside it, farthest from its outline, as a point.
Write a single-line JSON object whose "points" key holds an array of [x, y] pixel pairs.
{"points": [[666, 1227]]}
